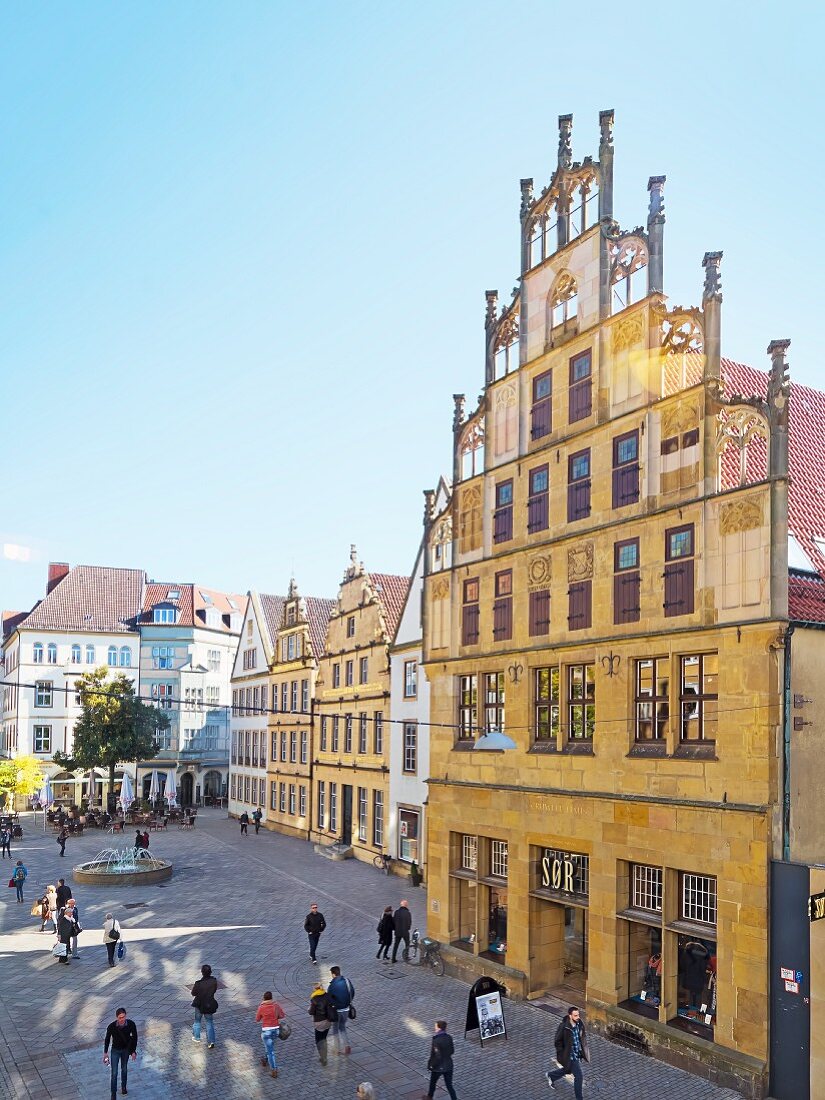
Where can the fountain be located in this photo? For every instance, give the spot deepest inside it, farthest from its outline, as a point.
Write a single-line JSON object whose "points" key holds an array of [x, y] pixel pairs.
{"points": [[122, 867]]}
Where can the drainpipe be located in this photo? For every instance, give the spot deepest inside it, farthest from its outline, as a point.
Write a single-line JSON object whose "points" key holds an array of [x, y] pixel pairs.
{"points": [[786, 738]]}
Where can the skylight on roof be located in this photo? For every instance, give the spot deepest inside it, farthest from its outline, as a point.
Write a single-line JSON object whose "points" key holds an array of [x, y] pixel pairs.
{"points": [[797, 558], [232, 604], [173, 594], [207, 599]]}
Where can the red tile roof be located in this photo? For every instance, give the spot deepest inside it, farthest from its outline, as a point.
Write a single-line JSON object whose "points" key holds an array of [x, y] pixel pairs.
{"points": [[392, 591], [318, 613], [91, 597], [806, 597], [273, 609], [157, 593], [192, 602]]}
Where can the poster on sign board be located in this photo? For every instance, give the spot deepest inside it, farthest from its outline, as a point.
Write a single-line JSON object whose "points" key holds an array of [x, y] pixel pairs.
{"points": [[490, 1016]]}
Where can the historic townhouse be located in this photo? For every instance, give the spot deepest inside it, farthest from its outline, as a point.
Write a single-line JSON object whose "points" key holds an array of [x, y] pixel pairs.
{"points": [[605, 629], [250, 703], [351, 754], [188, 639], [299, 643], [88, 618]]}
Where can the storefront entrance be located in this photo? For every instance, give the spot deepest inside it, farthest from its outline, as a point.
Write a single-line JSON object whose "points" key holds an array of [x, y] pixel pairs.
{"points": [[558, 923]]}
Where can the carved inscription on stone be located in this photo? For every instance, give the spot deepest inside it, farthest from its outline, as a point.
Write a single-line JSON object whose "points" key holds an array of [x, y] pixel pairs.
{"points": [[580, 562], [539, 571], [740, 515]]}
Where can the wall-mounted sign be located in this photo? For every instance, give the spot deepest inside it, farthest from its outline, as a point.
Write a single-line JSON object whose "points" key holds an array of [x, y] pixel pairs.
{"points": [[565, 872], [786, 974], [791, 987], [816, 907]]}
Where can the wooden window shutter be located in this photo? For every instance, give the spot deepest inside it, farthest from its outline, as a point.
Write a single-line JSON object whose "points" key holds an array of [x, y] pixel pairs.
{"points": [[625, 485], [538, 513], [678, 577], [626, 597], [539, 613], [580, 605], [578, 500], [540, 419], [581, 400], [503, 619], [503, 524], [469, 624]]}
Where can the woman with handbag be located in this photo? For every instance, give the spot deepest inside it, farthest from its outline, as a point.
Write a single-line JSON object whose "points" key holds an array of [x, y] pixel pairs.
{"points": [[269, 1016], [111, 935]]}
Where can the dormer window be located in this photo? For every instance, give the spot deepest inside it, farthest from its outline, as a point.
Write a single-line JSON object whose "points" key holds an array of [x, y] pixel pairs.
{"points": [[291, 615], [164, 613]]}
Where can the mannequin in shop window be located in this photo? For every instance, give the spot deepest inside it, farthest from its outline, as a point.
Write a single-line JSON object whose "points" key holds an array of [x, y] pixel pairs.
{"points": [[693, 967], [653, 978]]}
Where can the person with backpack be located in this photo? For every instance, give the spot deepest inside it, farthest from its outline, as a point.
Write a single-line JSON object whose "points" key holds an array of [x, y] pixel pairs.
{"points": [[324, 1014], [111, 935], [571, 1050], [19, 876], [385, 929], [269, 1016], [341, 992], [205, 1005]]}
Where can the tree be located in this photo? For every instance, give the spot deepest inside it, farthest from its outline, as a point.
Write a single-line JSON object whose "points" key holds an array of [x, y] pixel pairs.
{"points": [[21, 775], [115, 725]]}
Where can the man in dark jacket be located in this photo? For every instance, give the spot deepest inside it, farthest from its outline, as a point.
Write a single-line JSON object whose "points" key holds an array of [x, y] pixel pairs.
{"points": [[123, 1036], [314, 925], [402, 920], [64, 892], [65, 931], [571, 1051], [205, 1005], [440, 1063]]}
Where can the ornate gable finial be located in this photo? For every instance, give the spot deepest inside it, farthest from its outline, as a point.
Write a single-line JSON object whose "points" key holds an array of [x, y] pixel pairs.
{"points": [[458, 410], [429, 507], [713, 281], [526, 196], [355, 567], [293, 589], [565, 141], [606, 127], [490, 317], [779, 386], [656, 205]]}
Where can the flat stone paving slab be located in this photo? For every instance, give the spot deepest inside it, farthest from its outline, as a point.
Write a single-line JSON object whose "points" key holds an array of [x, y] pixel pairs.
{"points": [[239, 903]]}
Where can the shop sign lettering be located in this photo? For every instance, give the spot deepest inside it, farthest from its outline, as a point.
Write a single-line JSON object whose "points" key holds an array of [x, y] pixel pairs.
{"points": [[816, 907], [564, 872]]}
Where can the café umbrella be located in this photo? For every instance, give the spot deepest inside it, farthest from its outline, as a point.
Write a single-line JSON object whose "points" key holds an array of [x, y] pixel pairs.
{"points": [[45, 798], [127, 795], [170, 791], [154, 786]]}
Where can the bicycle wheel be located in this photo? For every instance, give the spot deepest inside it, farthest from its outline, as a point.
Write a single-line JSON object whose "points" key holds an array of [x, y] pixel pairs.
{"points": [[437, 963], [410, 954]]}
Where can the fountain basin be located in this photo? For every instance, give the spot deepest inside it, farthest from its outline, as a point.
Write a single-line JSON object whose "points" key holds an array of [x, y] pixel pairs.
{"points": [[122, 867]]}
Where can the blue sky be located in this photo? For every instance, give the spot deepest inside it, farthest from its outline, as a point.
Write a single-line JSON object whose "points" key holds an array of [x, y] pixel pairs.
{"points": [[244, 250]]}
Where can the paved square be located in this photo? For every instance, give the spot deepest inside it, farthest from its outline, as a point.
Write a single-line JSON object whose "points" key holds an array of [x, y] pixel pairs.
{"points": [[239, 903]]}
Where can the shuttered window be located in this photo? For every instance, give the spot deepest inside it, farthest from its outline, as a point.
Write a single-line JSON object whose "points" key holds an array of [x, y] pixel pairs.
{"points": [[541, 411], [539, 616], [627, 581], [578, 486], [503, 515], [679, 571], [626, 469], [503, 606], [580, 597], [470, 613], [581, 383], [538, 506]]}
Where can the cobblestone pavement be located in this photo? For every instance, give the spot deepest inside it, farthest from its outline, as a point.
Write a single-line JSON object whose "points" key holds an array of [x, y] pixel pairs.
{"points": [[239, 903]]}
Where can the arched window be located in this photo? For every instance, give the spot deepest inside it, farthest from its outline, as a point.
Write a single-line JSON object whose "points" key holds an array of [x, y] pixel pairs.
{"points": [[584, 210], [544, 235], [51, 653], [629, 274], [562, 307], [90, 654], [75, 654], [111, 659], [472, 450], [506, 346], [37, 653], [125, 657]]}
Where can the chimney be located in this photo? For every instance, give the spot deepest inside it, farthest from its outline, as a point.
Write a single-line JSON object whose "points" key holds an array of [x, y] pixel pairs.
{"points": [[57, 571]]}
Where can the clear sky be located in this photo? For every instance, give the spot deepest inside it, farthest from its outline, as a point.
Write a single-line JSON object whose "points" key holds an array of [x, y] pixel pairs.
{"points": [[244, 248]]}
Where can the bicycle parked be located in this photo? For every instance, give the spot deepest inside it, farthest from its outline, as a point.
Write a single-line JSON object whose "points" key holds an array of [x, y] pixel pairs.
{"points": [[383, 862], [424, 952]]}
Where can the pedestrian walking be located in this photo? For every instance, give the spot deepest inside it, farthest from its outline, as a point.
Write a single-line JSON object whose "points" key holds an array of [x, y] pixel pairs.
{"points": [[5, 840], [205, 1005], [269, 1016], [341, 992], [244, 822], [65, 928], [51, 895], [324, 1014], [402, 919], [111, 934], [62, 837], [365, 1091], [314, 925], [138, 841], [63, 893], [19, 876], [123, 1037], [440, 1062], [74, 916], [41, 909], [256, 817], [571, 1051], [385, 929]]}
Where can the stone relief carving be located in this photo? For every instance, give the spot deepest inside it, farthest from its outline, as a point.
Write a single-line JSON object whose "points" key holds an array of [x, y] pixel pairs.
{"points": [[680, 418], [443, 531], [506, 397], [740, 515], [441, 589], [580, 562], [539, 571], [628, 332], [471, 497]]}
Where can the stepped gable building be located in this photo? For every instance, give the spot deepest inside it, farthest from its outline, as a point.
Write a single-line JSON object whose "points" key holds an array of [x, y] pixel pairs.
{"points": [[614, 774], [352, 702], [300, 640], [87, 618], [188, 639], [251, 702]]}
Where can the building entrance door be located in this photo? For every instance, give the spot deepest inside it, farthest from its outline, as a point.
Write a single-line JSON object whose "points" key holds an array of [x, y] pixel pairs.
{"points": [[346, 833], [187, 784], [558, 948]]}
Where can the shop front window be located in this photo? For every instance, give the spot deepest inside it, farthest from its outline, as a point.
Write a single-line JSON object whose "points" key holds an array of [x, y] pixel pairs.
{"points": [[644, 970], [697, 985], [408, 826], [465, 895], [497, 925]]}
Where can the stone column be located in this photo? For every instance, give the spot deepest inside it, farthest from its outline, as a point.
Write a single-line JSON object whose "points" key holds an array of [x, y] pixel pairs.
{"points": [[526, 206], [712, 373], [606, 164], [779, 391], [655, 234]]}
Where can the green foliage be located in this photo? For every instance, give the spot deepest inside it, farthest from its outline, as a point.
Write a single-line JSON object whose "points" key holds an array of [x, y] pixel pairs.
{"points": [[23, 775], [115, 725]]}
